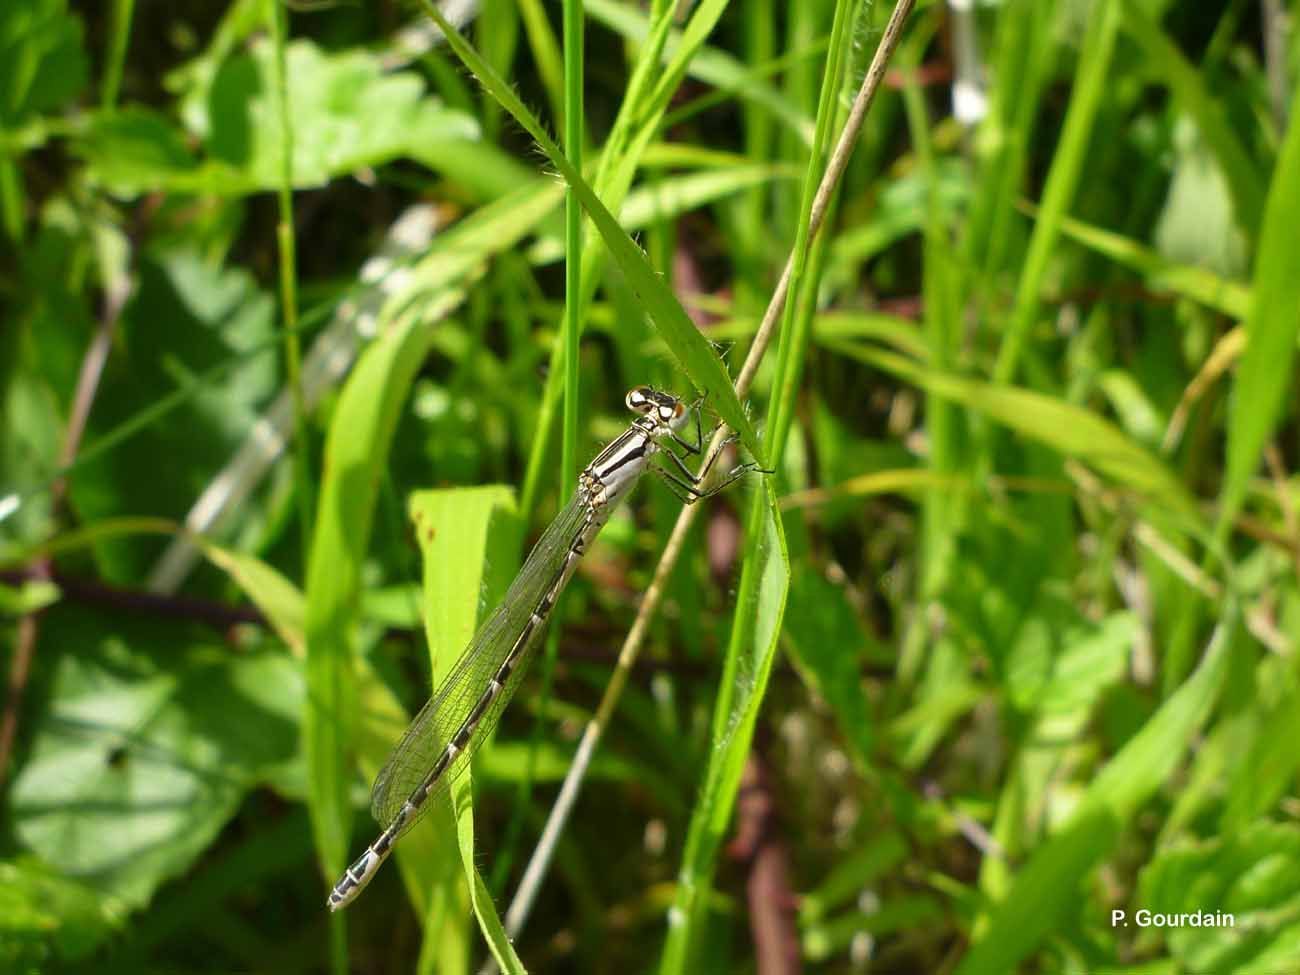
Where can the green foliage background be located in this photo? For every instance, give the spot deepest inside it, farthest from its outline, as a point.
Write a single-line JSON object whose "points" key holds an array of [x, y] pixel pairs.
{"points": [[1007, 641]]}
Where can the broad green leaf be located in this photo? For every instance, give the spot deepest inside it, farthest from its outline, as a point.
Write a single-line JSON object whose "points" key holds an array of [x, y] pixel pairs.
{"points": [[137, 148], [348, 114], [143, 756], [187, 313], [28, 455], [244, 860], [692, 350], [1264, 375]]}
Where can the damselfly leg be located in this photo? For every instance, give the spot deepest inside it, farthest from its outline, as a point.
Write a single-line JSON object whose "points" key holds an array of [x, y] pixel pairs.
{"points": [[689, 486], [692, 448]]}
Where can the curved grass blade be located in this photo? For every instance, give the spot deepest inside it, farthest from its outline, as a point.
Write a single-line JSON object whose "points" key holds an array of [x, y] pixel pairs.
{"points": [[1069, 429], [1271, 329], [691, 349]]}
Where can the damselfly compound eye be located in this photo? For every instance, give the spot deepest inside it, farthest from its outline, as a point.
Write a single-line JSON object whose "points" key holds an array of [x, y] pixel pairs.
{"points": [[638, 399]]}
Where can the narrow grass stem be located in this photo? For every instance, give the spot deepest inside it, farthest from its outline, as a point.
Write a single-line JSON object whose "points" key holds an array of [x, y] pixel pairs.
{"points": [[278, 17]]}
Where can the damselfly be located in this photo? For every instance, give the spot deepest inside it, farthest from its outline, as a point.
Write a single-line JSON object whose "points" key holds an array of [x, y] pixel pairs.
{"points": [[466, 706]]}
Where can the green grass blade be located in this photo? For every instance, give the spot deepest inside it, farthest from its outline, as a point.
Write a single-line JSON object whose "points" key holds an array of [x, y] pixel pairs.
{"points": [[796, 320], [571, 328], [468, 538], [489, 921], [709, 65], [1020, 59], [639, 117], [425, 858], [1271, 330], [1069, 429], [1090, 84], [1232, 298], [280, 601], [120, 34], [942, 514], [382, 721], [546, 52], [755, 634], [691, 349], [669, 198], [1245, 183], [278, 19], [765, 577]]}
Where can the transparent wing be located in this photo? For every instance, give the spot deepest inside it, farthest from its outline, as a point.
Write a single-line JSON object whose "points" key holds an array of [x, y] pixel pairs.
{"points": [[442, 716]]}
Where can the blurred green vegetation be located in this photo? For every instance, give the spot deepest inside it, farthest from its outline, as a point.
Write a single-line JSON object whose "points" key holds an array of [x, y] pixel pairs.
{"points": [[1006, 643]]}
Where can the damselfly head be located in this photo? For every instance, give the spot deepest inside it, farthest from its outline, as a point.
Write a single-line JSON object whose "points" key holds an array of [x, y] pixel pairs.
{"points": [[663, 407]]}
